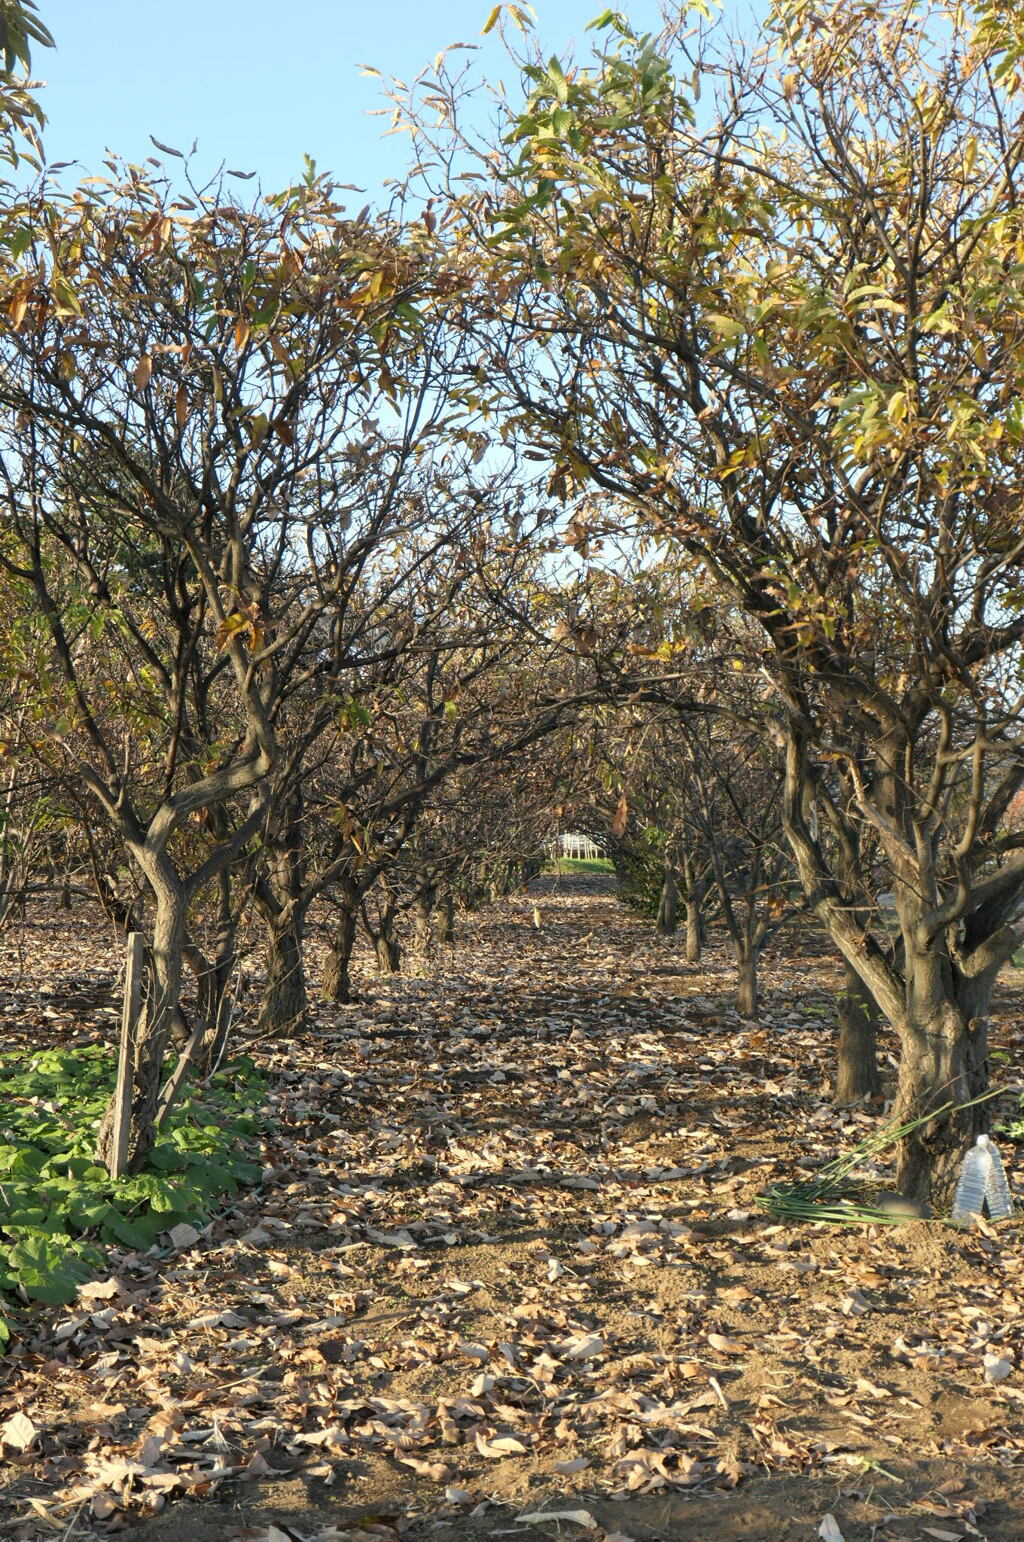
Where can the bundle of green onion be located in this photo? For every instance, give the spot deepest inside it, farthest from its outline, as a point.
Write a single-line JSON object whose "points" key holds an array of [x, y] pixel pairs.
{"points": [[830, 1197]]}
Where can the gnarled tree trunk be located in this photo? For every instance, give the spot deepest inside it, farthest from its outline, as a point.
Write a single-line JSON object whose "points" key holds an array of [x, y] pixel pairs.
{"points": [[667, 905], [445, 932], [692, 907], [747, 997], [336, 982], [386, 946], [285, 1001], [857, 1073], [944, 1060], [279, 893]]}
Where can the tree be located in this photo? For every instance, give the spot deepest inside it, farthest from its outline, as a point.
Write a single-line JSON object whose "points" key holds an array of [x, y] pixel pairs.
{"points": [[190, 455], [790, 343], [21, 116]]}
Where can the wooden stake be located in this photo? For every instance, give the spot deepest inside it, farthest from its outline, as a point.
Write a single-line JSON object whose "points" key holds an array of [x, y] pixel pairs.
{"points": [[172, 1086], [134, 969]]}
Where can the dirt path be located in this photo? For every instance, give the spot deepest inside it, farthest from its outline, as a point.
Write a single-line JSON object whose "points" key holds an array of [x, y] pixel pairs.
{"points": [[505, 1260]]}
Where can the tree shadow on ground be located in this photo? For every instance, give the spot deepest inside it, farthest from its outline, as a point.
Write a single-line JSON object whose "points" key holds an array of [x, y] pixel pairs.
{"points": [[900, 1502]]}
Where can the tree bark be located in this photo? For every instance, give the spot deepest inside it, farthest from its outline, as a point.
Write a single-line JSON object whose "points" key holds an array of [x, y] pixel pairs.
{"points": [[857, 1073], [387, 947], [285, 1000], [694, 937], [280, 894], [746, 982], [336, 982], [446, 918], [691, 898], [423, 924], [943, 1060], [667, 906]]}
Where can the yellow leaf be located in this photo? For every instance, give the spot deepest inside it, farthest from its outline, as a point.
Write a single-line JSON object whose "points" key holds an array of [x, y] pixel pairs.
{"points": [[230, 627], [242, 331], [970, 156], [896, 410], [489, 24]]}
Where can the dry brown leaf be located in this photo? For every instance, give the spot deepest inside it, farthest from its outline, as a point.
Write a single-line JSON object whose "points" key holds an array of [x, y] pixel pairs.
{"points": [[585, 1347], [437, 1472], [183, 1235], [577, 1517], [498, 1446], [19, 1432], [727, 1346]]}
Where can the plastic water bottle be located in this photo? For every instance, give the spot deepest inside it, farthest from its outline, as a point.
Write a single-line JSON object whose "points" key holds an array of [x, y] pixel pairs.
{"points": [[982, 1184], [970, 1190], [997, 1190]]}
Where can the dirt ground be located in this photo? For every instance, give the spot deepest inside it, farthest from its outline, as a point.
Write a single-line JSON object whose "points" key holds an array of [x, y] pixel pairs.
{"points": [[505, 1262]]}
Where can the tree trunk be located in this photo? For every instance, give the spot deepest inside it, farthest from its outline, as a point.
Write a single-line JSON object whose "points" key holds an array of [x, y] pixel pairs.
{"points": [[280, 894], [446, 918], [214, 975], [285, 1002], [938, 1011], [667, 906], [857, 1073], [691, 897], [943, 1060], [387, 947], [423, 925], [336, 982], [693, 932], [746, 982], [154, 1030]]}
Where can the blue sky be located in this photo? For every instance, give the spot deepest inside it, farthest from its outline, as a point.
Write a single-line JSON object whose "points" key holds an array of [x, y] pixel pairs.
{"points": [[260, 84]]}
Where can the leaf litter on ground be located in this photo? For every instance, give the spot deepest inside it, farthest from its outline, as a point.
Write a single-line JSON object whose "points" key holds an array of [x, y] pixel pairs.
{"points": [[505, 1250]]}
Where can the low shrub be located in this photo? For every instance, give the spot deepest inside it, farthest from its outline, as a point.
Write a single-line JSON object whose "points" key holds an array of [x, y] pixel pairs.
{"points": [[58, 1205]]}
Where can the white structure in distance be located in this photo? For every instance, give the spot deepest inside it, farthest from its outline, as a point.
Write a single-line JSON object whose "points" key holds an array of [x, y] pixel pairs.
{"points": [[578, 846]]}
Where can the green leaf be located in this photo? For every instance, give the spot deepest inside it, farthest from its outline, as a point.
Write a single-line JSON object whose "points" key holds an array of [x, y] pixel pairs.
{"points": [[726, 326], [139, 1232], [47, 1270]]}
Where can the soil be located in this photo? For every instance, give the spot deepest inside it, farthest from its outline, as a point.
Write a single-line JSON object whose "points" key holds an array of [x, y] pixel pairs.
{"points": [[507, 1258]]}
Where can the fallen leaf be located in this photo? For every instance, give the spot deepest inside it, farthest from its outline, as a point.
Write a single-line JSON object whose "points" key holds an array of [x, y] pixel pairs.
{"points": [[183, 1235], [996, 1368], [578, 1518], [478, 1352], [19, 1432], [500, 1445], [584, 1348], [726, 1346]]}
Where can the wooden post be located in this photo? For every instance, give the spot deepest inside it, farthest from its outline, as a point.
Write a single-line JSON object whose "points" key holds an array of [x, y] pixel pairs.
{"points": [[134, 968], [172, 1086]]}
